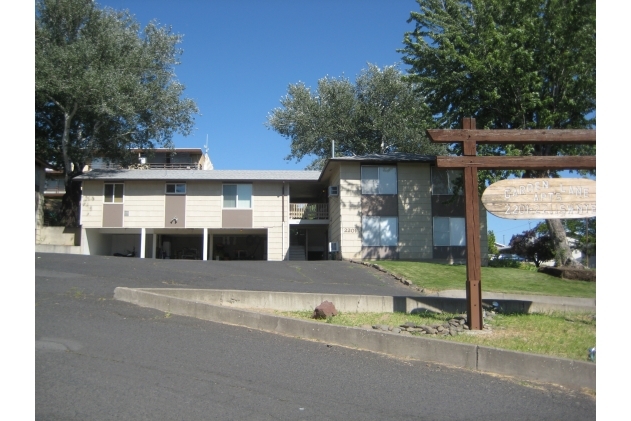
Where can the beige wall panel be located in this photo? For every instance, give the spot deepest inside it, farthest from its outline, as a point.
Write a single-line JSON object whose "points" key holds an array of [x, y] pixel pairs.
{"points": [[415, 211], [113, 215], [175, 211], [203, 204], [350, 210], [92, 204], [334, 210], [144, 203], [268, 213], [236, 218]]}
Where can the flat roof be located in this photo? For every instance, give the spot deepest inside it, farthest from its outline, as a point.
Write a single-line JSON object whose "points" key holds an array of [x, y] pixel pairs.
{"points": [[249, 175], [389, 158], [218, 175]]}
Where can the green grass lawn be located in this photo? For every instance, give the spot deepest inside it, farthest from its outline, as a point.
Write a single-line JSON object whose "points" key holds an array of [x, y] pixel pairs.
{"points": [[438, 277], [566, 335]]}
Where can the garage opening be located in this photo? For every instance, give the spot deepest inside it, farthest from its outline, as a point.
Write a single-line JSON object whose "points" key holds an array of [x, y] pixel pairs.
{"points": [[190, 247], [240, 247]]}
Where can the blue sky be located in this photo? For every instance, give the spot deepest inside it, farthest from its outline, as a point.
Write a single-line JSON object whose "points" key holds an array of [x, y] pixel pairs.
{"points": [[240, 56]]}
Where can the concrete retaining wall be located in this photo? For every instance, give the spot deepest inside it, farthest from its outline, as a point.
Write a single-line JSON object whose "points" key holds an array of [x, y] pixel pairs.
{"points": [[350, 303], [59, 236], [49, 248], [568, 373]]}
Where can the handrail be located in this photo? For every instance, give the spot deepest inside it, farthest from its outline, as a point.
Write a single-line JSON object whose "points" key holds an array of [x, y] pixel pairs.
{"points": [[309, 211]]}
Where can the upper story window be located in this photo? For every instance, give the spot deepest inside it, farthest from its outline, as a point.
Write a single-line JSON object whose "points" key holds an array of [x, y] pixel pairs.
{"points": [[176, 188], [379, 179], [113, 192], [237, 196], [445, 181]]}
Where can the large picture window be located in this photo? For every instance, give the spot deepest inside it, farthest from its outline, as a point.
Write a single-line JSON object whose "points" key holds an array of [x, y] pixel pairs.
{"points": [[379, 180], [380, 231], [113, 192], [449, 231], [237, 196], [445, 181]]}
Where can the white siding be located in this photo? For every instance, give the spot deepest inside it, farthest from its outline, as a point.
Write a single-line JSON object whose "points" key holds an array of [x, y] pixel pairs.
{"points": [[334, 210], [203, 204], [92, 204], [350, 210], [144, 202], [268, 213]]}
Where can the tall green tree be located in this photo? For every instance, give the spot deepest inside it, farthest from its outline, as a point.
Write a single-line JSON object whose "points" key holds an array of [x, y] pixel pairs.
{"points": [[103, 86], [511, 64], [584, 232], [492, 249], [379, 113]]}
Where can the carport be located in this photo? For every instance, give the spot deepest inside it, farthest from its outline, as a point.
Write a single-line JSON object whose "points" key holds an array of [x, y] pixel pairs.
{"points": [[186, 243]]}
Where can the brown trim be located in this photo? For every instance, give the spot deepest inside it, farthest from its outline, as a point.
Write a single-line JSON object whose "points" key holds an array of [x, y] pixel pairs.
{"points": [[380, 252], [450, 252], [380, 205], [112, 215], [442, 205], [174, 210], [236, 218]]}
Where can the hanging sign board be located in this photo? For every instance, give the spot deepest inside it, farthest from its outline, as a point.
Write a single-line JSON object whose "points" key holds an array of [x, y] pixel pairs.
{"points": [[541, 198]]}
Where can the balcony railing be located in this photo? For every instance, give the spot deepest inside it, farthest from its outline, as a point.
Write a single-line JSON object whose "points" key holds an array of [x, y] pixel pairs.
{"points": [[150, 166], [309, 210]]}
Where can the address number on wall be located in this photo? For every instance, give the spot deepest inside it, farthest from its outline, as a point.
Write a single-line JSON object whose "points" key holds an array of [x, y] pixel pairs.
{"points": [[350, 230]]}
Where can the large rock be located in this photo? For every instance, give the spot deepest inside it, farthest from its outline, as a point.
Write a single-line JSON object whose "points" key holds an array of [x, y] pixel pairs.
{"points": [[325, 310]]}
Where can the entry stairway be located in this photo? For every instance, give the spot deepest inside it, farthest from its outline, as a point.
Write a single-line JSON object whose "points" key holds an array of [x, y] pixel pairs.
{"points": [[297, 253]]}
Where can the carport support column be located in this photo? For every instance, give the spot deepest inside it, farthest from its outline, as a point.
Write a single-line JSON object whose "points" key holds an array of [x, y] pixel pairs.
{"points": [[205, 254], [154, 245], [143, 233]]}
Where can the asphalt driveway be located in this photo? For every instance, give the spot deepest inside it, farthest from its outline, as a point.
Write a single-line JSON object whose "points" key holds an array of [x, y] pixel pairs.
{"points": [[335, 277]]}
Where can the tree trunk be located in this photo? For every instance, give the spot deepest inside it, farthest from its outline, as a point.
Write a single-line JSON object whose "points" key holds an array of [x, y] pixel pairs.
{"points": [[563, 253], [70, 203]]}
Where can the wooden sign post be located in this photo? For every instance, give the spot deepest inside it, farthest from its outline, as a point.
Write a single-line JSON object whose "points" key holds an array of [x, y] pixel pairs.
{"points": [[470, 163]]}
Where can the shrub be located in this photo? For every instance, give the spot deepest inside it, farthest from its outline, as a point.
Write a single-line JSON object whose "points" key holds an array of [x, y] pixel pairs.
{"points": [[504, 263]]}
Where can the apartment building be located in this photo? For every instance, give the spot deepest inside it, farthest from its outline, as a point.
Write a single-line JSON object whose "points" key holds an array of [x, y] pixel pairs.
{"points": [[392, 206]]}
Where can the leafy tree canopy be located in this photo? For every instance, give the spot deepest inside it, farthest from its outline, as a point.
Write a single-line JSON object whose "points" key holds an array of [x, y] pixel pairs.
{"points": [[102, 87], [511, 64], [379, 113], [535, 245]]}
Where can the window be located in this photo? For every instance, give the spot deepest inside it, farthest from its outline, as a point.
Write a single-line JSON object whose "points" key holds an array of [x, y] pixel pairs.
{"points": [[449, 231], [380, 231], [113, 193], [379, 180], [237, 196], [444, 181], [176, 188]]}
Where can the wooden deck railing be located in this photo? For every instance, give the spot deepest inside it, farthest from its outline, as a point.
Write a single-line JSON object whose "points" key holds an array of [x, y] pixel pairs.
{"points": [[309, 210], [150, 166]]}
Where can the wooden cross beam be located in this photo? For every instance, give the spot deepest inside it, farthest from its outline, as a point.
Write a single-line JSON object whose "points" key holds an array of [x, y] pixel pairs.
{"points": [[470, 163]]}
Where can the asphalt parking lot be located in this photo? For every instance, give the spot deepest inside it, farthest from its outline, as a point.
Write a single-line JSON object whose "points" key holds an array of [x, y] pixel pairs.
{"points": [[97, 358]]}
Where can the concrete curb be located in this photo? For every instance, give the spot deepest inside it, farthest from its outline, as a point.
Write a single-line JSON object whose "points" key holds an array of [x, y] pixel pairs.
{"points": [[560, 371]]}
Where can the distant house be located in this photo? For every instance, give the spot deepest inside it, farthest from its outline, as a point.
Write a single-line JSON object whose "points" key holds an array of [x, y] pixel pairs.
{"points": [[393, 206]]}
